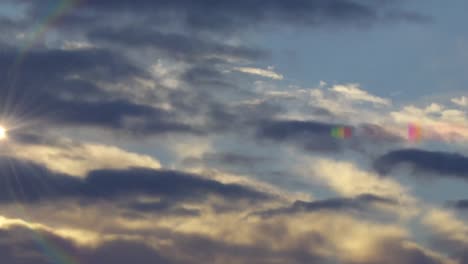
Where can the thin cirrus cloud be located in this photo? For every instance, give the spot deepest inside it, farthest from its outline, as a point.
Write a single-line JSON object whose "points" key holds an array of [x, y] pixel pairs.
{"points": [[260, 72], [353, 92]]}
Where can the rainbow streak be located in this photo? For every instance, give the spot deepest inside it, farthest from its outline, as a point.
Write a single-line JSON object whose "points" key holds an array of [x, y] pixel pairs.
{"points": [[54, 254], [44, 26]]}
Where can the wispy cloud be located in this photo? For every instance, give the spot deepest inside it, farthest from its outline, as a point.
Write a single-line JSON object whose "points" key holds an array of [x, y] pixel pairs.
{"points": [[260, 72], [354, 92], [462, 101]]}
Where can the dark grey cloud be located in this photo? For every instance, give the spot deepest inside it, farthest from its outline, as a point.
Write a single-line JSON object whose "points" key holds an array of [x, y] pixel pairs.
{"points": [[43, 64], [443, 164], [464, 256], [39, 74], [458, 204], [363, 202], [226, 15], [109, 183], [310, 135], [27, 182], [113, 114], [234, 159]]}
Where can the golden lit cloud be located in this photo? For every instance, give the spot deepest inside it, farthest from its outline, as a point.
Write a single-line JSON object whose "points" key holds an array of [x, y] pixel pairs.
{"points": [[79, 159]]}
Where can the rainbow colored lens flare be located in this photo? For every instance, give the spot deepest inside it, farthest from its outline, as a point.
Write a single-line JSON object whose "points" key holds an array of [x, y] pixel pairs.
{"points": [[414, 133], [341, 132]]}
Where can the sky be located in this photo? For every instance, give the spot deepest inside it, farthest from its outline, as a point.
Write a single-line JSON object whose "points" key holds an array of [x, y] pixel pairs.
{"points": [[248, 131]]}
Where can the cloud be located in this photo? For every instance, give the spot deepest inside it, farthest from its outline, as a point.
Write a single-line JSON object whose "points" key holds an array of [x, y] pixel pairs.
{"points": [[95, 71], [459, 204], [228, 16], [438, 123], [118, 115], [354, 93], [348, 179], [29, 182], [234, 159], [316, 136], [310, 135], [311, 238], [260, 72], [462, 101], [68, 157], [443, 164], [77, 45], [161, 207], [449, 233], [404, 252], [18, 246], [346, 103], [361, 202], [317, 236]]}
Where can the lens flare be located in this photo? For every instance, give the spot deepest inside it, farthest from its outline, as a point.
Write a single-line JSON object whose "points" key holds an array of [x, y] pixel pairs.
{"points": [[341, 132], [414, 132], [3, 133]]}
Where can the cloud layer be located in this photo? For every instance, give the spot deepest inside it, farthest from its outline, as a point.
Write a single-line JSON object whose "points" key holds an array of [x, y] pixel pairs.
{"points": [[164, 132]]}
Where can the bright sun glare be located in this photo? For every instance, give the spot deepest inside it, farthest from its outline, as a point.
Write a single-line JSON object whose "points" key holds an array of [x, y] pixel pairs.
{"points": [[3, 133]]}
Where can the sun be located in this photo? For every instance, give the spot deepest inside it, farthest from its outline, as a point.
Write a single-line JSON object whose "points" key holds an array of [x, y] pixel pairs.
{"points": [[3, 133]]}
